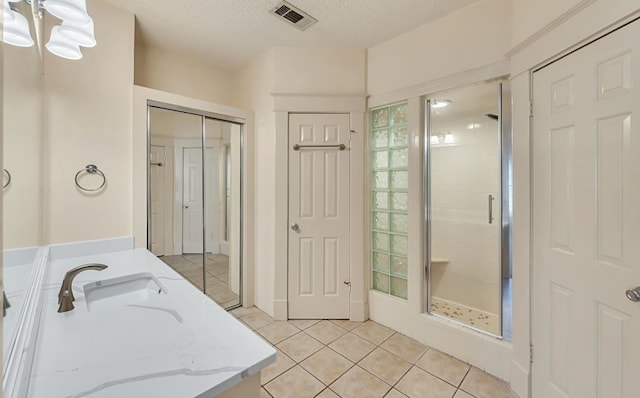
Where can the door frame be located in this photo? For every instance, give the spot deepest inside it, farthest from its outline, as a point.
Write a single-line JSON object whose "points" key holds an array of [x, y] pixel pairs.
{"points": [[583, 23], [355, 106]]}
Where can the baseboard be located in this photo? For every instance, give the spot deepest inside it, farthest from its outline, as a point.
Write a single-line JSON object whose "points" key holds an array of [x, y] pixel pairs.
{"points": [[280, 312], [358, 310], [519, 380]]}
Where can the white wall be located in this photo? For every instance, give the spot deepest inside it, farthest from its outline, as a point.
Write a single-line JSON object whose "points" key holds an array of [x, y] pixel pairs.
{"points": [[471, 37], [23, 107], [88, 120], [181, 74]]}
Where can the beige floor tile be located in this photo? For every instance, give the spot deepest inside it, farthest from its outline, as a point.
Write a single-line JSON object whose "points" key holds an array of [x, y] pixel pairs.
{"points": [[447, 368], [294, 383], [300, 346], [244, 311], [395, 394], [346, 324], [257, 320], [264, 393], [353, 347], [325, 332], [385, 365], [327, 394], [483, 385], [373, 332], [419, 384], [303, 324], [404, 347], [462, 394], [277, 331], [326, 365], [358, 383], [281, 365]]}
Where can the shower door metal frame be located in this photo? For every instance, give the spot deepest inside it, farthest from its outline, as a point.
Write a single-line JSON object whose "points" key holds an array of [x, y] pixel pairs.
{"points": [[506, 183], [204, 115]]}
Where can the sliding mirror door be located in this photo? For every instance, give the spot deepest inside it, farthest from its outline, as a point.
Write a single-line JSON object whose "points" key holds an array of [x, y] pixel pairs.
{"points": [[195, 206], [176, 200], [467, 177], [222, 211]]}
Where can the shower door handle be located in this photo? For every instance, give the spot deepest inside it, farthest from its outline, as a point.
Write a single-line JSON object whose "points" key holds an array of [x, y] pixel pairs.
{"points": [[491, 198]]}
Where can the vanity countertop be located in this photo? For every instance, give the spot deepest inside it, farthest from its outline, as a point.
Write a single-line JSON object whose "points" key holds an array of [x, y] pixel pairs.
{"points": [[178, 344]]}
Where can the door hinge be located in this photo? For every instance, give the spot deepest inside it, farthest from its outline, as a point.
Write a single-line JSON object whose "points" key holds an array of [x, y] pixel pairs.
{"points": [[530, 353], [530, 109]]}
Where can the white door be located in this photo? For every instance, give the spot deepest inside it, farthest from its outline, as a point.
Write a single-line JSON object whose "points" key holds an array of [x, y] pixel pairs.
{"points": [[586, 235], [192, 201], [319, 216], [157, 159]]}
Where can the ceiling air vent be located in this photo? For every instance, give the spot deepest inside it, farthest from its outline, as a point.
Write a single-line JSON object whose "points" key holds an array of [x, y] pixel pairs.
{"points": [[293, 15]]}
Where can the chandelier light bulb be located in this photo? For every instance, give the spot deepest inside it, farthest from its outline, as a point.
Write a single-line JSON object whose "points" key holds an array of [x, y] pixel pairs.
{"points": [[15, 29], [68, 10], [62, 46], [82, 34]]}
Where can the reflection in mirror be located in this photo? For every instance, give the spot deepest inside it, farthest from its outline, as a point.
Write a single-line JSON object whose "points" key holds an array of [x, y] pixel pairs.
{"points": [[465, 212], [175, 188], [222, 177], [22, 158], [194, 201]]}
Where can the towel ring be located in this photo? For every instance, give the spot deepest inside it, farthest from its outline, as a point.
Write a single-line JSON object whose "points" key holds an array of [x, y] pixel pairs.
{"points": [[91, 169], [8, 178]]}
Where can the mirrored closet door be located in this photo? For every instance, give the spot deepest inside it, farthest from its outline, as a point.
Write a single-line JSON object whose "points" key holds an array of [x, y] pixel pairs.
{"points": [[194, 207]]}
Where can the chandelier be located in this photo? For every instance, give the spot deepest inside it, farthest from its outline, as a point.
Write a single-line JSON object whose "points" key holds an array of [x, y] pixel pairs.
{"points": [[75, 30]]}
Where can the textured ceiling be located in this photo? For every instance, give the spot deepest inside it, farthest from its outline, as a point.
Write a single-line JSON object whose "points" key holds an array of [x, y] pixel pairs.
{"points": [[229, 33]]}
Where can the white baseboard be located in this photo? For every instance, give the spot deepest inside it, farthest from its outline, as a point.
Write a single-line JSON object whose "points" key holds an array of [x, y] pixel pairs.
{"points": [[519, 380], [358, 310], [280, 310]]}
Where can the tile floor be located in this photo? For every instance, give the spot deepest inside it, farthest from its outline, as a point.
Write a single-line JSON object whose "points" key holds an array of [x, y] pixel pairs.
{"points": [[217, 267], [338, 358]]}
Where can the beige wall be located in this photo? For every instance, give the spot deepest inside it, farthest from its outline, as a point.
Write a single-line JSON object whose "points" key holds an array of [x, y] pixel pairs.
{"points": [[530, 16], [88, 120], [23, 107], [471, 37], [320, 70], [180, 74], [253, 86]]}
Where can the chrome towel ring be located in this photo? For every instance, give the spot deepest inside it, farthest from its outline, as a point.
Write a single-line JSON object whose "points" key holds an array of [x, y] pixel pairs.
{"points": [[91, 169], [8, 178]]}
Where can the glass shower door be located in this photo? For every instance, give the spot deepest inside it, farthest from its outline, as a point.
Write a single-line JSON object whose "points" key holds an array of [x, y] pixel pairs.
{"points": [[464, 206]]}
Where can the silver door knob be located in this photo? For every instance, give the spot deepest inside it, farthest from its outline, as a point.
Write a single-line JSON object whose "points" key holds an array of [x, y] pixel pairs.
{"points": [[294, 227], [634, 294]]}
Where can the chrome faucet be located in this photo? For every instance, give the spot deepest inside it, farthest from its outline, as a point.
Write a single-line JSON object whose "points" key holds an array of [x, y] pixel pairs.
{"points": [[65, 296]]}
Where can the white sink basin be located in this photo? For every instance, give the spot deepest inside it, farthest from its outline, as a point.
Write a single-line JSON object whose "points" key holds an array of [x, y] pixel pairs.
{"points": [[123, 290]]}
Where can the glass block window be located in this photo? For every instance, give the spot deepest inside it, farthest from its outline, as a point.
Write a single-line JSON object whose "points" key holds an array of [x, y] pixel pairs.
{"points": [[389, 186]]}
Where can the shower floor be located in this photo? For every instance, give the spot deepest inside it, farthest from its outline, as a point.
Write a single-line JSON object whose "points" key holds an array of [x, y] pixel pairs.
{"points": [[468, 315]]}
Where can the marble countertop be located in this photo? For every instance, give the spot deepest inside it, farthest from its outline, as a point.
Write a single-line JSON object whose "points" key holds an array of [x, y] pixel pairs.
{"points": [[179, 344]]}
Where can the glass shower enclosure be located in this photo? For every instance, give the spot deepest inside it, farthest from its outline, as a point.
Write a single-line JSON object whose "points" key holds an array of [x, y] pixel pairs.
{"points": [[468, 207]]}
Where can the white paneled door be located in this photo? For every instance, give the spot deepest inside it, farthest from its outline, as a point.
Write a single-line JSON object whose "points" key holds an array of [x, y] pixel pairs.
{"points": [[586, 235], [192, 201], [157, 159], [319, 244]]}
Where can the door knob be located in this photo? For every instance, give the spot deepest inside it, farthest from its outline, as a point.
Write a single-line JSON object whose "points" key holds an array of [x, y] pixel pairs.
{"points": [[634, 294], [294, 227], [186, 206]]}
